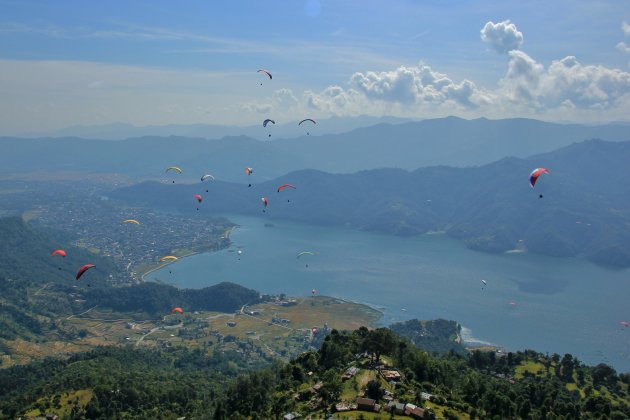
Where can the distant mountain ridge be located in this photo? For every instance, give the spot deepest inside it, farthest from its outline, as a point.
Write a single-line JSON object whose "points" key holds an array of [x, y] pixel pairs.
{"points": [[411, 145], [121, 131], [585, 211]]}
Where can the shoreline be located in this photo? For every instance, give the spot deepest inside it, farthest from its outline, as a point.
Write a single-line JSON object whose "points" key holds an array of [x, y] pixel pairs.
{"points": [[227, 233]]}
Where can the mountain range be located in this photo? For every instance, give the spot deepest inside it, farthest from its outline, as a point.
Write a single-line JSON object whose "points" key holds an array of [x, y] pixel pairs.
{"points": [[409, 145], [584, 210]]}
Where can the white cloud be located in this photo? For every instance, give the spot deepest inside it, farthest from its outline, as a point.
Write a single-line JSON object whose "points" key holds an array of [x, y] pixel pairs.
{"points": [[623, 47], [502, 36], [415, 85], [566, 89], [626, 29]]}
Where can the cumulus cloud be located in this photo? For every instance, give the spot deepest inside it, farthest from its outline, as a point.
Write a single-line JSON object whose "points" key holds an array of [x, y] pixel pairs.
{"points": [[416, 85], [502, 36], [623, 47], [563, 89], [565, 83], [625, 28]]}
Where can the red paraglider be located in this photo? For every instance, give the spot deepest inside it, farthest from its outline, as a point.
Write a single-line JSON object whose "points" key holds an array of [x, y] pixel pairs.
{"points": [[625, 323], [59, 252], [282, 187], [264, 201], [83, 269], [198, 197], [177, 311], [533, 177]]}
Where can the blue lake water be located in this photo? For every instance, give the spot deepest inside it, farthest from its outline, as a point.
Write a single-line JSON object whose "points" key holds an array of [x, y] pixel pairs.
{"points": [[558, 305]]}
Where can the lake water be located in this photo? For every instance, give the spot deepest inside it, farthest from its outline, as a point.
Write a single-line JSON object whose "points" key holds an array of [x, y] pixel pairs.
{"points": [[530, 301]]}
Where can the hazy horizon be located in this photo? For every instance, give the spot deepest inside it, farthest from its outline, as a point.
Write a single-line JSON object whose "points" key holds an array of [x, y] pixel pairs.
{"points": [[70, 63]]}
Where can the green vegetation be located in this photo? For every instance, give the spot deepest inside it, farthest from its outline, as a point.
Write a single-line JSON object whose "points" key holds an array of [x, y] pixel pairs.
{"points": [[436, 336], [167, 383]]}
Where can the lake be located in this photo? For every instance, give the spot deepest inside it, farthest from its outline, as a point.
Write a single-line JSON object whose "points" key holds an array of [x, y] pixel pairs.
{"points": [[548, 304]]}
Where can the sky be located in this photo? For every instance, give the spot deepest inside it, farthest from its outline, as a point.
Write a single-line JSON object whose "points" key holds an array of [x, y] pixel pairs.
{"points": [[66, 63]]}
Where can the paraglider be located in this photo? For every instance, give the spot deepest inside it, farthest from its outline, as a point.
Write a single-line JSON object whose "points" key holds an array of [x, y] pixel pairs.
{"points": [[304, 253], [624, 323], [267, 121], [485, 283], [134, 221], [59, 252], [282, 187], [512, 304], [267, 72], [83, 269], [249, 171], [265, 202], [177, 311], [207, 176], [174, 168], [313, 292], [169, 258], [314, 330], [533, 177], [199, 199], [307, 119]]}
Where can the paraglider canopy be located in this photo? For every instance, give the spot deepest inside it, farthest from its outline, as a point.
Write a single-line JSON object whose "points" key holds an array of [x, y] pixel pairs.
{"points": [[282, 187], [625, 323], [307, 119], [58, 252], [83, 269], [533, 177], [313, 291], [305, 253], [177, 311], [267, 72], [207, 176], [267, 121], [134, 221], [249, 171], [198, 197], [169, 258], [264, 201], [174, 168]]}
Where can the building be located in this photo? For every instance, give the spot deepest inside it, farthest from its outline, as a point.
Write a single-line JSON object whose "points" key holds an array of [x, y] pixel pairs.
{"points": [[349, 373], [391, 375], [396, 407], [368, 404], [231, 324]]}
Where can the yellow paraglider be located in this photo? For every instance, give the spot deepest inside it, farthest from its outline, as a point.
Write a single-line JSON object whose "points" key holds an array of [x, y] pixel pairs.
{"points": [[174, 168], [169, 258], [131, 221]]}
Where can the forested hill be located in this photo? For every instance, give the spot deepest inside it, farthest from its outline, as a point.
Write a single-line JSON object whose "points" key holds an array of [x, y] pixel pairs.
{"points": [[25, 255], [36, 288], [585, 209], [444, 141], [175, 382]]}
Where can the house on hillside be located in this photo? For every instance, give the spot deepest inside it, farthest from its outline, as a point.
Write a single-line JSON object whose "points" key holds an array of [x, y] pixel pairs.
{"points": [[349, 373], [391, 375], [396, 407], [341, 407], [368, 404], [414, 411]]}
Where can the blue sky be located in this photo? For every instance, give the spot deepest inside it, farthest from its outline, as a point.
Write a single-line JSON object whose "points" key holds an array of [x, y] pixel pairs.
{"points": [[158, 62]]}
